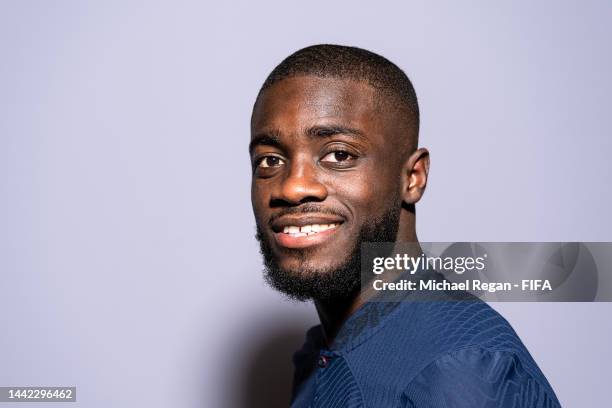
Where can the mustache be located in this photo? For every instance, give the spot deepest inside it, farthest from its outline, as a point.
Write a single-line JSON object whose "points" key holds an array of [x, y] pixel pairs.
{"points": [[305, 209]]}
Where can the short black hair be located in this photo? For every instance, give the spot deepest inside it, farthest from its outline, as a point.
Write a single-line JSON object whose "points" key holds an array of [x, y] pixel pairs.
{"points": [[339, 61]]}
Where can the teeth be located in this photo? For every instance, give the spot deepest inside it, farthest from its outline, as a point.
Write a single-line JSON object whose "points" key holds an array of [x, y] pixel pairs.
{"points": [[296, 231]]}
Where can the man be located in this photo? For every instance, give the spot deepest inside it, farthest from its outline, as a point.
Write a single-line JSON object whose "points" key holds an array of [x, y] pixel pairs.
{"points": [[335, 158]]}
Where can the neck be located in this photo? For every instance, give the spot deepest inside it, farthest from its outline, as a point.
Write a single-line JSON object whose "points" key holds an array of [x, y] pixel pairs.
{"points": [[333, 313]]}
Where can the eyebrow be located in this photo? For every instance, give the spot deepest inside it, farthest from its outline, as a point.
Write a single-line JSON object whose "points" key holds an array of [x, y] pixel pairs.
{"points": [[265, 139], [332, 130], [272, 138]]}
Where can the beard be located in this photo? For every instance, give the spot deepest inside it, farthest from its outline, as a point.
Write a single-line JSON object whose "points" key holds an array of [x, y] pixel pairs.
{"points": [[336, 282]]}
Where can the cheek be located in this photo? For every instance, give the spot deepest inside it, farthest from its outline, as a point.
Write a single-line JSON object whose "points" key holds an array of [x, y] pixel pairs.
{"points": [[257, 199], [368, 193]]}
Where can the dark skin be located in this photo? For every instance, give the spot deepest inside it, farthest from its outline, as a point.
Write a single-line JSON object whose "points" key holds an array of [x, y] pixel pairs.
{"points": [[339, 145]]}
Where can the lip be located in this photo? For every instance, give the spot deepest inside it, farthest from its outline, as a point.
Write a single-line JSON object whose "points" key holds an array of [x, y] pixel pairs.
{"points": [[288, 241]]}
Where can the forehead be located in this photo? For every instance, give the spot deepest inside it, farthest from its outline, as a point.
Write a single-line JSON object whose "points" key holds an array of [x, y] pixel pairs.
{"points": [[307, 100]]}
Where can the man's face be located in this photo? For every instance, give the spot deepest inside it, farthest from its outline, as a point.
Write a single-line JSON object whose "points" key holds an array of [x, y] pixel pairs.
{"points": [[326, 175]]}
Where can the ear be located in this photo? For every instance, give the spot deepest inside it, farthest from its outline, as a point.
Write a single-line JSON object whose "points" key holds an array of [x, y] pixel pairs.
{"points": [[414, 176]]}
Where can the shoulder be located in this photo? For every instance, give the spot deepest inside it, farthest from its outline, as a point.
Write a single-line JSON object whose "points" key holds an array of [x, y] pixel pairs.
{"points": [[442, 326], [477, 377], [420, 335]]}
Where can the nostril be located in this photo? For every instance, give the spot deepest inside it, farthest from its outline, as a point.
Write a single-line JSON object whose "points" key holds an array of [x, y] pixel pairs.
{"points": [[284, 202], [299, 187]]}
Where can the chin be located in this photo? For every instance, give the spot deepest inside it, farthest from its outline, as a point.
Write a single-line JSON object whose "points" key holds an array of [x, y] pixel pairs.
{"points": [[317, 272], [304, 267]]}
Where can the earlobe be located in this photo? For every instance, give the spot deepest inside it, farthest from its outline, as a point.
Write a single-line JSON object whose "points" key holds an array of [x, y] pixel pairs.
{"points": [[414, 176]]}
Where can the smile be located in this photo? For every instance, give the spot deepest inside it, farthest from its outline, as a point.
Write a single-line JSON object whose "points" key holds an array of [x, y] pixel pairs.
{"points": [[306, 230], [299, 237]]}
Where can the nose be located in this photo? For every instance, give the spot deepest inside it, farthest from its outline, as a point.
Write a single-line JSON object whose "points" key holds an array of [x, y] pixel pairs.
{"points": [[301, 184]]}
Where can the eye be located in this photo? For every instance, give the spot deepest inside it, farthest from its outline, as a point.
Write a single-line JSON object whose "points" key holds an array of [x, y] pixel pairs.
{"points": [[337, 157], [270, 161]]}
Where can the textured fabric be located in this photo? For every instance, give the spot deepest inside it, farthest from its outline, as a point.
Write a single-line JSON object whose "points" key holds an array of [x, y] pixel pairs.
{"points": [[475, 377], [421, 352]]}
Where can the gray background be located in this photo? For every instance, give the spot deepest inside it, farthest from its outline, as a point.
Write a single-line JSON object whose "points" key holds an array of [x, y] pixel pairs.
{"points": [[127, 258]]}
